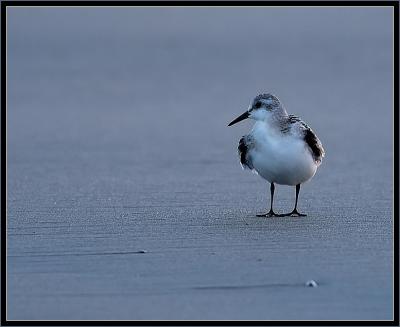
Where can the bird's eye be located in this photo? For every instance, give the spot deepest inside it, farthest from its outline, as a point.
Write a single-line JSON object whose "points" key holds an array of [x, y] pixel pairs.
{"points": [[257, 105]]}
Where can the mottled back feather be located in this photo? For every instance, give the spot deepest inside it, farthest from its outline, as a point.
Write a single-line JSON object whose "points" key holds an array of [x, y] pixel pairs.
{"points": [[314, 144], [245, 145], [310, 138]]}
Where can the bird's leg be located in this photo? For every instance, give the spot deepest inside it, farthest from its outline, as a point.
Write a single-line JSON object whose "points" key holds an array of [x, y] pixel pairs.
{"points": [[271, 212], [295, 213]]}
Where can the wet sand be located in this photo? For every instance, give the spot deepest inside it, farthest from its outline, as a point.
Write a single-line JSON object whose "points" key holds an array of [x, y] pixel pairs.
{"points": [[125, 196]]}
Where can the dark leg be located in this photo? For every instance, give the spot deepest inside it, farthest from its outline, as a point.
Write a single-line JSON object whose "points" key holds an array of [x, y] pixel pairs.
{"points": [[271, 212], [295, 213]]}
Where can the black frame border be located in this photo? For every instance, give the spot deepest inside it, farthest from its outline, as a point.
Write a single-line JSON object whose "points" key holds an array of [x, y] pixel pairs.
{"points": [[200, 3]]}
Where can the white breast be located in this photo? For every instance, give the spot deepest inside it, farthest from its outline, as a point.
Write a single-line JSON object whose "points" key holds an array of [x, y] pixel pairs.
{"points": [[281, 158]]}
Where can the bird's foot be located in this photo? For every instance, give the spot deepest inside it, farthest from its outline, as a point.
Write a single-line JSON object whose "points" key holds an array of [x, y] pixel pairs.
{"points": [[294, 213], [269, 214]]}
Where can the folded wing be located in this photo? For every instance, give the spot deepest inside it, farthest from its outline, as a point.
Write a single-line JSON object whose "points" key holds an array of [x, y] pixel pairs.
{"points": [[245, 144]]}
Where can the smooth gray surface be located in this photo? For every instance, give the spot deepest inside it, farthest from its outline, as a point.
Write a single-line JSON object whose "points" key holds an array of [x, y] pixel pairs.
{"points": [[117, 143]]}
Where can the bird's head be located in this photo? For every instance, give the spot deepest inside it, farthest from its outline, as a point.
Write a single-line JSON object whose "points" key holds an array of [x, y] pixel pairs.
{"points": [[263, 107]]}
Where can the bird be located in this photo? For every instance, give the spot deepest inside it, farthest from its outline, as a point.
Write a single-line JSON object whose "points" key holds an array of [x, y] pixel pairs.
{"points": [[281, 148]]}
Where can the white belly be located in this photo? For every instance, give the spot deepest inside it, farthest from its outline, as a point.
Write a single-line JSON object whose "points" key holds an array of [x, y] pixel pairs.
{"points": [[283, 160]]}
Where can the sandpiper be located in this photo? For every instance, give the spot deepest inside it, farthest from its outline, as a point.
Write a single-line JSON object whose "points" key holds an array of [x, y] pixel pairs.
{"points": [[281, 148]]}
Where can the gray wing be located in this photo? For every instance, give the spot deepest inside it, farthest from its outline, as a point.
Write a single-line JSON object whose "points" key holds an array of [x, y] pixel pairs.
{"points": [[313, 143], [245, 144]]}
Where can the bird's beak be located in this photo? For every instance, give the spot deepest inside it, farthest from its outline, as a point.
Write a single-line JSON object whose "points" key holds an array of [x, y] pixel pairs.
{"points": [[240, 118]]}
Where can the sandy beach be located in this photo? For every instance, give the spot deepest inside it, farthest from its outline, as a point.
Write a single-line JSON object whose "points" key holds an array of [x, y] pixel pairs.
{"points": [[126, 199]]}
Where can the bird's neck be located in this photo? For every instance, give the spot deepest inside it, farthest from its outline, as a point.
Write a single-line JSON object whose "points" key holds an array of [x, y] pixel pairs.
{"points": [[266, 129], [275, 123]]}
